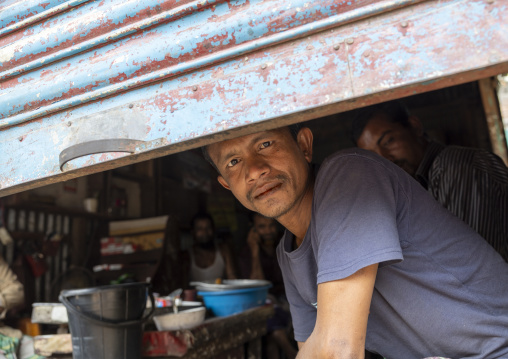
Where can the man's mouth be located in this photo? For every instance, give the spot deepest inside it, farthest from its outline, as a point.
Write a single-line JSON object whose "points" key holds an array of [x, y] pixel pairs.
{"points": [[266, 190]]}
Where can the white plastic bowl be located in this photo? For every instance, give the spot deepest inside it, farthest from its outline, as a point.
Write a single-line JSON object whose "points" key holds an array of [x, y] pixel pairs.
{"points": [[184, 319]]}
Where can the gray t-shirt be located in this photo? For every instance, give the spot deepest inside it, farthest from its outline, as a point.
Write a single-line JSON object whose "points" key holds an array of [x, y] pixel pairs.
{"points": [[441, 290]]}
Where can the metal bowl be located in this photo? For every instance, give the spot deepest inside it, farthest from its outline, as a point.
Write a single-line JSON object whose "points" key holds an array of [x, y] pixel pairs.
{"points": [[229, 284], [185, 319]]}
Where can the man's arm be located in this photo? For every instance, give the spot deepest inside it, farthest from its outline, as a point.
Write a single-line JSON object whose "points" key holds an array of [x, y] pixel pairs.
{"points": [[342, 314], [11, 290]]}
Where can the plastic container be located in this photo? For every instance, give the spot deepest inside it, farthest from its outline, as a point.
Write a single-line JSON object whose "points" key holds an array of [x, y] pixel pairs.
{"points": [[106, 322], [185, 319], [228, 302], [184, 305]]}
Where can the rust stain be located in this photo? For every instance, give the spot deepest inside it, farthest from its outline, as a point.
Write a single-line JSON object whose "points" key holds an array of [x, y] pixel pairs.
{"points": [[103, 157], [119, 78], [203, 48], [403, 28], [48, 72], [9, 83], [217, 42], [103, 28], [69, 94], [162, 102], [12, 38]]}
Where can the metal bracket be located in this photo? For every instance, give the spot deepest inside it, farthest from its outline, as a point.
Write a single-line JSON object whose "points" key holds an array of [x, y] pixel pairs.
{"points": [[101, 146]]}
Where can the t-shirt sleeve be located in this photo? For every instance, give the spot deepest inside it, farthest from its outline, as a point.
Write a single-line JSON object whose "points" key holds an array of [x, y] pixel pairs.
{"points": [[303, 314], [355, 212]]}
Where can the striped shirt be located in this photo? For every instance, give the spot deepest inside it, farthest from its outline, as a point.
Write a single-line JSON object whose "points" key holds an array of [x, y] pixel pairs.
{"points": [[473, 185]]}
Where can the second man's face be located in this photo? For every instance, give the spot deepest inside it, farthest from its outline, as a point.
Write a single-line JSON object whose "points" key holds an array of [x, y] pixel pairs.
{"points": [[266, 228], [266, 171], [393, 141], [203, 231]]}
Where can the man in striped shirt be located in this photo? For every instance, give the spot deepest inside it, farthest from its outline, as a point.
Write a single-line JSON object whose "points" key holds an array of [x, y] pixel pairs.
{"points": [[471, 183]]}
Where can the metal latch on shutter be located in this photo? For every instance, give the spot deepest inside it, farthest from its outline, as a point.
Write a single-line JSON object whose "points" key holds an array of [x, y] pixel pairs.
{"points": [[109, 145]]}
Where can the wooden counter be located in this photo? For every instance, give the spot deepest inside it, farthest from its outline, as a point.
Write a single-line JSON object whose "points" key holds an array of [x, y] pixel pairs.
{"points": [[234, 337]]}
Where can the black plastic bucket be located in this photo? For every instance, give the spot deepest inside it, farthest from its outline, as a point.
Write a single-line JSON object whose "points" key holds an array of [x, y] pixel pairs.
{"points": [[106, 322]]}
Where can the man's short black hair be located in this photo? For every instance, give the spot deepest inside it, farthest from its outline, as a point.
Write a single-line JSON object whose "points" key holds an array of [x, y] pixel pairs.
{"points": [[395, 110], [206, 155], [200, 216], [293, 129]]}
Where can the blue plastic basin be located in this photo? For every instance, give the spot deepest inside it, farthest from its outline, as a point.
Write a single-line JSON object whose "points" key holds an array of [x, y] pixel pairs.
{"points": [[228, 302]]}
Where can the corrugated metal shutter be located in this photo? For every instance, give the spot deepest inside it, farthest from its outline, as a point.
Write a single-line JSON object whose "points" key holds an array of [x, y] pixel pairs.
{"points": [[158, 77]]}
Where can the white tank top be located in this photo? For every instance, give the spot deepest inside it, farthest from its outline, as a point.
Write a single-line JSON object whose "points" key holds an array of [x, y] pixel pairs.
{"points": [[216, 270]]}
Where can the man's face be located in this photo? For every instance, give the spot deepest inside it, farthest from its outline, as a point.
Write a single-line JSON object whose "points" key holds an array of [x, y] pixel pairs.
{"points": [[203, 231], [395, 142], [268, 172], [266, 228]]}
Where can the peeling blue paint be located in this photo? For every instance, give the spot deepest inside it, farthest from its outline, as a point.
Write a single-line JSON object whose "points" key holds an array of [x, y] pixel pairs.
{"points": [[14, 10], [97, 66], [267, 72]]}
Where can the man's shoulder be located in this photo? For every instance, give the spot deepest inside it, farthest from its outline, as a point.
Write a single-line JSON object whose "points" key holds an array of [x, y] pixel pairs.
{"points": [[359, 157], [354, 170], [352, 152], [466, 152], [469, 156], [453, 150]]}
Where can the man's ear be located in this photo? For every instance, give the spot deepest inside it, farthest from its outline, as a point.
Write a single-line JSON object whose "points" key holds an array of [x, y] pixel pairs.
{"points": [[223, 182], [416, 124], [304, 140]]}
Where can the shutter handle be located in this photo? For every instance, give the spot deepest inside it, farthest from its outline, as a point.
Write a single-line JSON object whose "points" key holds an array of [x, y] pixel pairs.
{"points": [[98, 146]]}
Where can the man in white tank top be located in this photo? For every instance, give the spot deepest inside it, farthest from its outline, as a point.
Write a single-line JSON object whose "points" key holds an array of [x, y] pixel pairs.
{"points": [[208, 260]]}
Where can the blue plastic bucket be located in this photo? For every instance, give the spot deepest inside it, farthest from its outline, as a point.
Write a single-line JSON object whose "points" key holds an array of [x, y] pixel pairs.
{"points": [[228, 302]]}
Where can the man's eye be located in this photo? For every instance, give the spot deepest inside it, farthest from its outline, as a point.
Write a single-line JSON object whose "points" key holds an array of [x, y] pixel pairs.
{"points": [[265, 144], [388, 141], [232, 163]]}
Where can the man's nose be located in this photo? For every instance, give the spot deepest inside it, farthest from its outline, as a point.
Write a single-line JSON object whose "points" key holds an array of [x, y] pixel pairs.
{"points": [[256, 168]]}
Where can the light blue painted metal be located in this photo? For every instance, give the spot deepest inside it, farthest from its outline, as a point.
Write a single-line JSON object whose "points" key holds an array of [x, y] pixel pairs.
{"points": [[15, 11], [227, 31], [300, 68], [18, 14], [82, 32], [102, 86]]}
